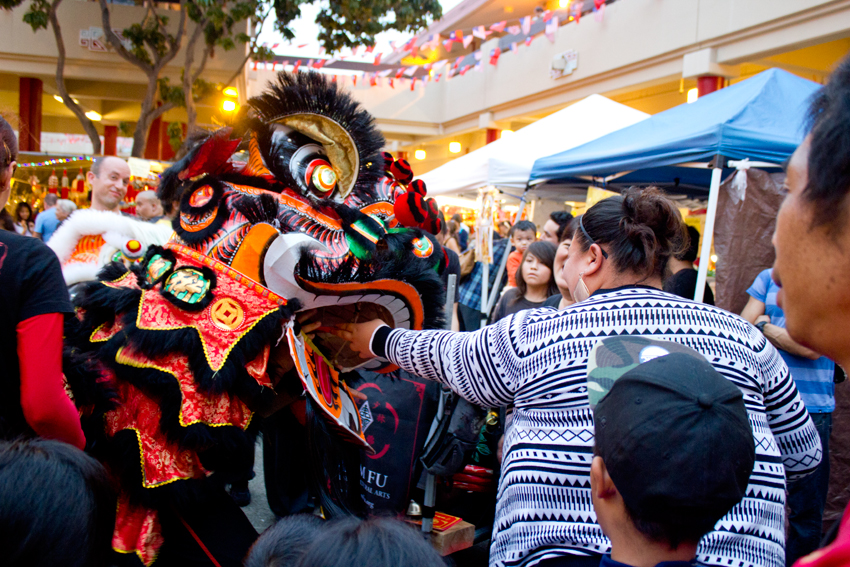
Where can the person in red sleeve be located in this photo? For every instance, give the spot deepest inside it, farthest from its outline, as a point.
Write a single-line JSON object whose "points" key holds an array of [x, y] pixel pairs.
{"points": [[812, 242], [33, 304]]}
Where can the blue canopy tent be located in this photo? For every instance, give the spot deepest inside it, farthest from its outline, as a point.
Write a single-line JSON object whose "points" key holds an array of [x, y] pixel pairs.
{"points": [[687, 149]]}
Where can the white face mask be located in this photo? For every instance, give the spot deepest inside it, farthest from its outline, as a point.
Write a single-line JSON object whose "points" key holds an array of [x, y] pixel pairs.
{"points": [[580, 293]]}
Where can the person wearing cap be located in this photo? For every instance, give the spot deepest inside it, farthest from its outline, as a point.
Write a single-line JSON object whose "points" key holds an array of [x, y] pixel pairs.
{"points": [[812, 240], [536, 361], [674, 449]]}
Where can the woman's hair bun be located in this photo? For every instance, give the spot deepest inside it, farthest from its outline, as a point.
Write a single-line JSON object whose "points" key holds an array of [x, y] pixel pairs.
{"points": [[642, 227]]}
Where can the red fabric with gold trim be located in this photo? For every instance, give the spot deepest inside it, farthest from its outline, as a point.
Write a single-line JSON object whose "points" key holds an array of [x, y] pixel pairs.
{"points": [[236, 309], [212, 409], [137, 530], [161, 460]]}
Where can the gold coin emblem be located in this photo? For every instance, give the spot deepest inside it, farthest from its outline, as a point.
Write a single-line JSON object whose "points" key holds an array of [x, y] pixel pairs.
{"points": [[227, 314]]}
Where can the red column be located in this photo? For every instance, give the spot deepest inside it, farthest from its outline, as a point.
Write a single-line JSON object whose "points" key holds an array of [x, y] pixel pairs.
{"points": [[153, 149], [707, 84], [110, 140], [29, 113], [492, 134], [166, 152]]}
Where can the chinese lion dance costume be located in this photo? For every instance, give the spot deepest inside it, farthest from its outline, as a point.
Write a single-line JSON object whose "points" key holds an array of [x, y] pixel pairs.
{"points": [[293, 208]]}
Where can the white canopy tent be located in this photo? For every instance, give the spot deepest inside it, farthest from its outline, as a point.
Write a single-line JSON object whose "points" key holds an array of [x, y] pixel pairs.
{"points": [[506, 163]]}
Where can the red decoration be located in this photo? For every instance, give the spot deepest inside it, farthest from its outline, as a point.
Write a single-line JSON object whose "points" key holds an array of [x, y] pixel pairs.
{"points": [[494, 56], [213, 155]]}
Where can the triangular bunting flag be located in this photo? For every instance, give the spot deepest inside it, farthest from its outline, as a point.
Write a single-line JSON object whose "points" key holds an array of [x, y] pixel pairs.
{"points": [[551, 28], [494, 56], [525, 25], [466, 41], [498, 28], [377, 59]]}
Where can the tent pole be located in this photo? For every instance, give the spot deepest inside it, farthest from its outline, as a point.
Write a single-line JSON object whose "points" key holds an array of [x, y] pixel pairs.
{"points": [[708, 233], [504, 262]]}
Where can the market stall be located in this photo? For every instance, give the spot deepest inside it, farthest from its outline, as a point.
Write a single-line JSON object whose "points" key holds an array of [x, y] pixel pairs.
{"points": [[689, 149], [506, 163]]}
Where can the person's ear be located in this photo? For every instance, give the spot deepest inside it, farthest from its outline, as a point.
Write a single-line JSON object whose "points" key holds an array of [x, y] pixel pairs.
{"points": [[600, 481], [594, 259], [90, 176]]}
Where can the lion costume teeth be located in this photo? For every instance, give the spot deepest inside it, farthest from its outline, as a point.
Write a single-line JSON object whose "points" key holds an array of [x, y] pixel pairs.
{"points": [[295, 213]]}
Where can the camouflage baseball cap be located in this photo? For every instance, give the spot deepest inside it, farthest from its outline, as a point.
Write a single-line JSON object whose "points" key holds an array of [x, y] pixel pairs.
{"points": [[614, 356]]}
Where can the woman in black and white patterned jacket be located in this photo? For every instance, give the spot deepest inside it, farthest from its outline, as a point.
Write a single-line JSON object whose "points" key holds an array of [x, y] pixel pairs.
{"points": [[536, 360]]}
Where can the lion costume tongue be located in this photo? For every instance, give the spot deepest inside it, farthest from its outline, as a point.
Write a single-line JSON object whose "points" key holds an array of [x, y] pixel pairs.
{"points": [[294, 208]]}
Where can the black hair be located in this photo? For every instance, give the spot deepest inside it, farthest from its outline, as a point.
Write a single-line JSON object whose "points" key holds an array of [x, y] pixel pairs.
{"points": [[285, 542], [376, 542], [545, 253], [8, 146], [639, 230], [9, 149], [6, 221], [23, 205], [692, 251], [57, 506], [523, 226], [679, 528], [829, 154], [564, 220]]}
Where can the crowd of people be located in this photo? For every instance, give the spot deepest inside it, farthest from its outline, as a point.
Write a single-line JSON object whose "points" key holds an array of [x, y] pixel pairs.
{"points": [[644, 427]]}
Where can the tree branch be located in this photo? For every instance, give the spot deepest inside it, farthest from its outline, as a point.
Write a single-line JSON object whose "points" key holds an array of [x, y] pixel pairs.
{"points": [[175, 45], [115, 41], [160, 110], [203, 64], [87, 124]]}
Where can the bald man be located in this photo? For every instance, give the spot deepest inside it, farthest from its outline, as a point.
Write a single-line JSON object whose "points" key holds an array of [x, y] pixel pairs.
{"points": [[108, 177], [148, 206]]}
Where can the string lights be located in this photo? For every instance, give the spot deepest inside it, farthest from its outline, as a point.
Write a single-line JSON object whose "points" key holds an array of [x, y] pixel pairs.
{"points": [[57, 161]]}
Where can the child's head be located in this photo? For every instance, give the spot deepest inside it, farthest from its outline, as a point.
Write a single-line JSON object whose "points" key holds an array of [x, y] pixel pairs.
{"points": [[535, 269], [286, 541], [674, 448], [523, 234]]}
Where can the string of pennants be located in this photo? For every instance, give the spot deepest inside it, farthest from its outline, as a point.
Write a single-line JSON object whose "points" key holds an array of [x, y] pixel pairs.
{"points": [[446, 68]]}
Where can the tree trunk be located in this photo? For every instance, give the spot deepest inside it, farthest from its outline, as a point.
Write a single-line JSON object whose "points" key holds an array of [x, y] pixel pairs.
{"points": [[189, 77], [87, 124], [148, 113]]}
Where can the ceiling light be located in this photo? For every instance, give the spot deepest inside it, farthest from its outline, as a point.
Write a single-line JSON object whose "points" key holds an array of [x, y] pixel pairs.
{"points": [[92, 115], [230, 91], [509, 9], [419, 154], [506, 133], [454, 147], [693, 95], [58, 98], [228, 106], [563, 3]]}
